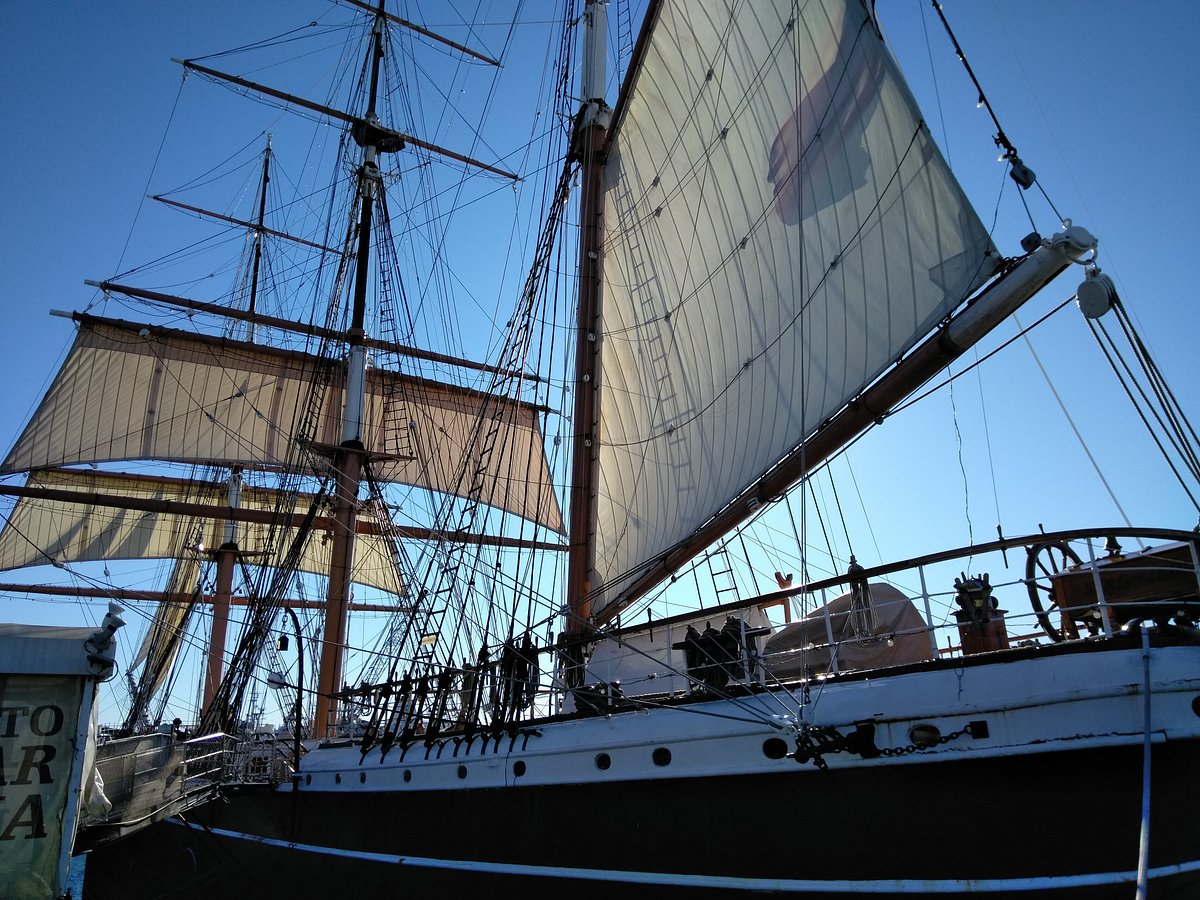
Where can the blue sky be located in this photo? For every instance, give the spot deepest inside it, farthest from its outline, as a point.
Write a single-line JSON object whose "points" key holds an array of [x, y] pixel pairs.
{"points": [[1099, 100], [1098, 97]]}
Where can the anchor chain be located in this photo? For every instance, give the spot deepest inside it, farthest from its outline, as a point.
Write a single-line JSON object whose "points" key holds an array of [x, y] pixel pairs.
{"points": [[968, 729], [815, 742]]}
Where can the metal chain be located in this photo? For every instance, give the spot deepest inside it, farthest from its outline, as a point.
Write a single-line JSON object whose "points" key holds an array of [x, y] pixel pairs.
{"points": [[913, 748], [814, 742]]}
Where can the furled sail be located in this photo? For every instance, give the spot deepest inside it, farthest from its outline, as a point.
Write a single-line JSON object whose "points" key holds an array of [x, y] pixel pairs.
{"points": [[133, 392], [780, 229], [41, 531], [168, 626]]}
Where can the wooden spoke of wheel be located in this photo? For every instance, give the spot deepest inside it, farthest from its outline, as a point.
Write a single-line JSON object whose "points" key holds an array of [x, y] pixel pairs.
{"points": [[1044, 561]]}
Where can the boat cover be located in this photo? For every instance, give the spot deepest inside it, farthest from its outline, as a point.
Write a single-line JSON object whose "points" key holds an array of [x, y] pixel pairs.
{"points": [[899, 635]]}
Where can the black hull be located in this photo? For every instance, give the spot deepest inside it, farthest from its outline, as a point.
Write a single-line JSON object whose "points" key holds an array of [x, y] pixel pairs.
{"points": [[1016, 826]]}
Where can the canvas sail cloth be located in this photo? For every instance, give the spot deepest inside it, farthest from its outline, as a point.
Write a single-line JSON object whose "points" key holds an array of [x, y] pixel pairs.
{"points": [[40, 531], [47, 531], [132, 392], [780, 229]]}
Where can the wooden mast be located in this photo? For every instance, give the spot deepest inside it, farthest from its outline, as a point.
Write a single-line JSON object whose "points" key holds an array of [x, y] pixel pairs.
{"points": [[591, 136], [350, 457], [252, 306], [227, 556], [228, 553]]}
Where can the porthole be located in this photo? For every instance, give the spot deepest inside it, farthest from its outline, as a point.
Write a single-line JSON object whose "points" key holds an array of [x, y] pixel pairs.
{"points": [[337, 778], [362, 777], [1196, 705], [462, 771], [775, 748], [308, 779], [603, 761], [519, 768], [408, 774], [661, 756]]}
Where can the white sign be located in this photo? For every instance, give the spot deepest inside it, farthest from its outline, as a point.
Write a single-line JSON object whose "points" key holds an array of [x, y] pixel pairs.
{"points": [[39, 717]]}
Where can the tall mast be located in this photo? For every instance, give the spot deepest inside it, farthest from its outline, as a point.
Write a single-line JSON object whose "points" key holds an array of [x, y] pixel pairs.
{"points": [[591, 135], [226, 557], [252, 307], [349, 458]]}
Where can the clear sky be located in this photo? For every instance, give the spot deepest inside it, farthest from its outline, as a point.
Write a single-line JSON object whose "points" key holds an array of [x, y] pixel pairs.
{"points": [[1098, 97]]}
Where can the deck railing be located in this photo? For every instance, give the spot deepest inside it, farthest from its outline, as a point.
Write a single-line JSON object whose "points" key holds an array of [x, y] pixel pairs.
{"points": [[1016, 592], [147, 778]]}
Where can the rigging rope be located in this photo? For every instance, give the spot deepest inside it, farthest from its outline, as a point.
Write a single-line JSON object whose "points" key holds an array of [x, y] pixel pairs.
{"points": [[1071, 422], [962, 468], [1174, 425]]}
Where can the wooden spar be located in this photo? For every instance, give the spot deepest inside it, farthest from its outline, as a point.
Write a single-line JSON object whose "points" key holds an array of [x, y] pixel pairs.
{"points": [[217, 309], [591, 137], [259, 228], [263, 516], [984, 313], [425, 32], [270, 321], [399, 139], [174, 597]]}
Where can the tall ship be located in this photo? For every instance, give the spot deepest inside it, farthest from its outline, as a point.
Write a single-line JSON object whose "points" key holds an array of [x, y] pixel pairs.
{"points": [[550, 578]]}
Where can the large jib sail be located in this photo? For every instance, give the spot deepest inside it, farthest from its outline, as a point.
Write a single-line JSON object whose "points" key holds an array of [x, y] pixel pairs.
{"points": [[780, 230]]}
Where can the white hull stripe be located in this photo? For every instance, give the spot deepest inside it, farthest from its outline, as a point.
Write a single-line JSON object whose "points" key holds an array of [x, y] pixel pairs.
{"points": [[882, 886]]}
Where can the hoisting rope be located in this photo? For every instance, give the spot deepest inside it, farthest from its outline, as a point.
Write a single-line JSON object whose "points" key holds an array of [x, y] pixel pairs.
{"points": [[1071, 422], [1021, 333], [1020, 174], [1162, 407]]}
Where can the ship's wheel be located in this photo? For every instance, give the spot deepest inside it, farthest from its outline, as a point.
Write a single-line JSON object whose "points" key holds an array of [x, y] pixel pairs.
{"points": [[1043, 561]]}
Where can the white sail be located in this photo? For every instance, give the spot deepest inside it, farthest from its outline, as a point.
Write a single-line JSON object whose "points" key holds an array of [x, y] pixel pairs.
{"points": [[129, 393], [780, 229], [41, 531]]}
